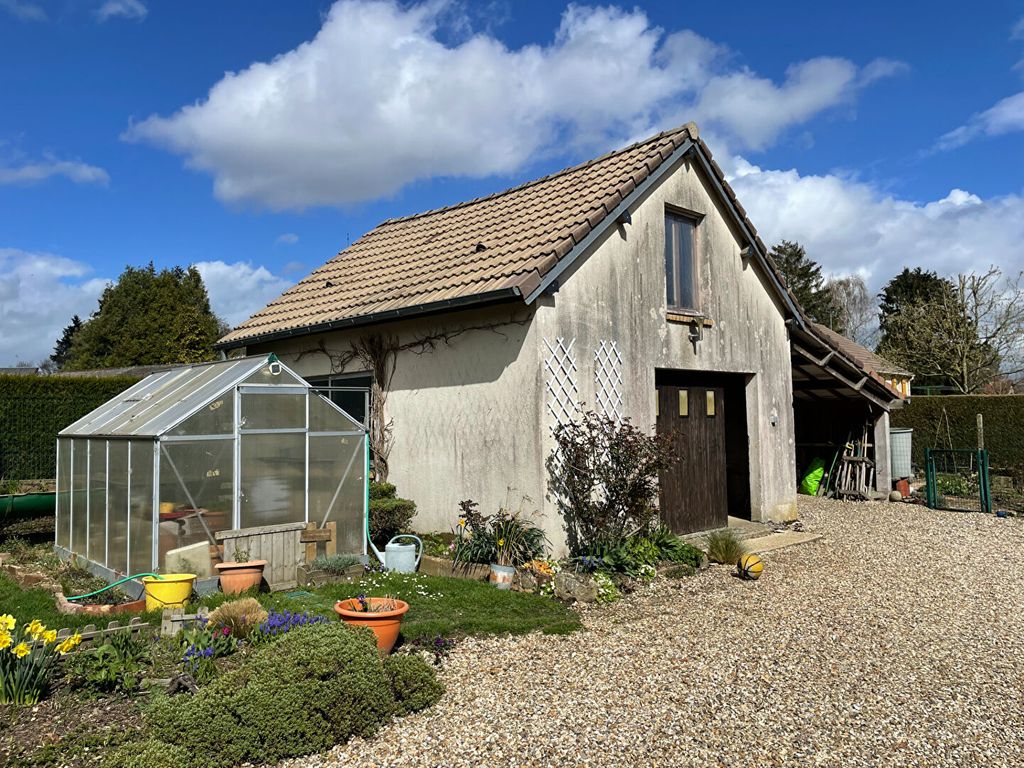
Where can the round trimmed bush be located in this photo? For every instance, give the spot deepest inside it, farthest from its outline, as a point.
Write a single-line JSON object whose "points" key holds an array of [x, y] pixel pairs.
{"points": [[413, 683], [315, 687]]}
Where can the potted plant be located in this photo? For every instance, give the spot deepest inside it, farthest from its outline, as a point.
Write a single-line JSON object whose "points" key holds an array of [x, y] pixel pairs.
{"points": [[502, 541], [381, 614], [241, 574]]}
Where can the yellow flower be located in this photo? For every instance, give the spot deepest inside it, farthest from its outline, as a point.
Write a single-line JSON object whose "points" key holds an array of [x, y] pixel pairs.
{"points": [[5, 639], [462, 522], [501, 542], [35, 628], [50, 635], [69, 644], [7, 622], [21, 650]]}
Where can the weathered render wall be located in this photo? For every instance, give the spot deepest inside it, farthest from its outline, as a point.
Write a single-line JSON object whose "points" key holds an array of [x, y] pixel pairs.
{"points": [[467, 415], [618, 294], [471, 417]]}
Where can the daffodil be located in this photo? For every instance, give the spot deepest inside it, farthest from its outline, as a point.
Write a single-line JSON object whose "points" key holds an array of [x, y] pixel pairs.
{"points": [[462, 522], [50, 635], [501, 542], [5, 639], [21, 650], [69, 644], [35, 628], [7, 622]]}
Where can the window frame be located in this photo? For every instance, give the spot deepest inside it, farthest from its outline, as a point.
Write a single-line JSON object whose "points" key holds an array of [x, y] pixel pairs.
{"points": [[328, 384], [693, 218]]}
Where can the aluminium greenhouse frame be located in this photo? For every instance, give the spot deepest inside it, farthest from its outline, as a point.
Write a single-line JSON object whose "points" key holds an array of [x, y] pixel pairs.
{"points": [[280, 432]]}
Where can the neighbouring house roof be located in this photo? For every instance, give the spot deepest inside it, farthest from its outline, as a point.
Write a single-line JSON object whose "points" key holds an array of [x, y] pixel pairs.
{"points": [[861, 354]]}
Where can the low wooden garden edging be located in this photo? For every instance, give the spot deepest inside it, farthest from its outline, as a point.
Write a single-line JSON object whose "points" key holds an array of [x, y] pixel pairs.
{"points": [[93, 636]]}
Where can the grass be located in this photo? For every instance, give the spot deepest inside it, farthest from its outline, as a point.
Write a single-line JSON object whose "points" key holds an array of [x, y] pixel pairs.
{"points": [[438, 605], [724, 547]]}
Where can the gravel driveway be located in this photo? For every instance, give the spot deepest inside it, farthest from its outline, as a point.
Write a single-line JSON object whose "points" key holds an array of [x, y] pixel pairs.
{"points": [[897, 640]]}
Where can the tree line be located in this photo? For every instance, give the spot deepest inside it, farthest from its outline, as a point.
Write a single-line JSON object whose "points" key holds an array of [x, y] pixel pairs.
{"points": [[961, 334]]}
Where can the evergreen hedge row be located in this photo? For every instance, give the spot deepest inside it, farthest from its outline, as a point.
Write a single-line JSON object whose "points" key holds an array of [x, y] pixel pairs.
{"points": [[1003, 416], [33, 409]]}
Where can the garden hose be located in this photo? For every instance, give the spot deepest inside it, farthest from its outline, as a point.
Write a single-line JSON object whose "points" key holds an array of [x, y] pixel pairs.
{"points": [[110, 586]]}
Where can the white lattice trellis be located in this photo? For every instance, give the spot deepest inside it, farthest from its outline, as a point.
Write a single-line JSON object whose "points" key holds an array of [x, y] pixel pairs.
{"points": [[608, 379], [563, 393]]}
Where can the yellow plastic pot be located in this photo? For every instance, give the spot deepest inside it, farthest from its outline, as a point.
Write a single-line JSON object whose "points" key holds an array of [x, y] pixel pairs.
{"points": [[170, 591]]}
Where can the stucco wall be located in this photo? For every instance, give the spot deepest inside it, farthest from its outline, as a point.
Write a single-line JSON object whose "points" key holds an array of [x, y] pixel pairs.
{"points": [[470, 417], [618, 293]]}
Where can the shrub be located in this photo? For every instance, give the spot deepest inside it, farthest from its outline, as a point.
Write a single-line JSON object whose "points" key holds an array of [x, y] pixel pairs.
{"points": [[315, 687], [115, 666], [413, 683], [603, 475], [389, 515], [149, 753], [241, 617], [672, 549], [724, 547]]}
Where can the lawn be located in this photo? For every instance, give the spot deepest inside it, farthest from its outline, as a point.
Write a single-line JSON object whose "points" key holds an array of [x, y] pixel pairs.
{"points": [[438, 605]]}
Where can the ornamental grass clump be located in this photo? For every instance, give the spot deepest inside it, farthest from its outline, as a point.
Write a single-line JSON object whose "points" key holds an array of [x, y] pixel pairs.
{"points": [[724, 547], [27, 656], [239, 616], [315, 687]]}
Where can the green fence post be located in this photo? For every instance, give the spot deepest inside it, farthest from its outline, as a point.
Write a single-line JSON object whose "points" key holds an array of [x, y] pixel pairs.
{"points": [[983, 481], [929, 478]]}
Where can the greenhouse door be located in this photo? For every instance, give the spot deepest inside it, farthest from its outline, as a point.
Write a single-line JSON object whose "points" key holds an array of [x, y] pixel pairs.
{"points": [[271, 458]]}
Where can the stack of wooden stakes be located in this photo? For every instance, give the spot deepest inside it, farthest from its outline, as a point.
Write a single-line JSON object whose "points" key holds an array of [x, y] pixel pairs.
{"points": [[855, 476]]}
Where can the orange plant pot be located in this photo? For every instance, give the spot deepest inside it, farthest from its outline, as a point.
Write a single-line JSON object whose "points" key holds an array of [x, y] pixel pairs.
{"points": [[240, 577], [385, 624]]}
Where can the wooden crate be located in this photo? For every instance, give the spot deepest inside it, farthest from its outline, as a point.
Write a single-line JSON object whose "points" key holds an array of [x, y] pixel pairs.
{"points": [[280, 545]]}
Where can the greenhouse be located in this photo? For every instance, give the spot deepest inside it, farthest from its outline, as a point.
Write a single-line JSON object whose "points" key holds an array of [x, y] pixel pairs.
{"points": [[147, 480]]}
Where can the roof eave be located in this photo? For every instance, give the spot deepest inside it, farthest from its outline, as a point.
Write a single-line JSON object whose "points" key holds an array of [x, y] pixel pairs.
{"points": [[401, 313]]}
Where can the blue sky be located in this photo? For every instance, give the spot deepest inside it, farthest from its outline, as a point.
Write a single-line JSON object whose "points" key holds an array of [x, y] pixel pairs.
{"points": [[879, 135]]}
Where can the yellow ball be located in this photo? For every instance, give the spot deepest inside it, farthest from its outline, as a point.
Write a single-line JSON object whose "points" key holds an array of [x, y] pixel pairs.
{"points": [[750, 566]]}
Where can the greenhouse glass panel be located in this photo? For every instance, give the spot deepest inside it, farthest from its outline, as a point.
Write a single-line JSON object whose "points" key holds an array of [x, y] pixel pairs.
{"points": [[201, 461], [337, 488], [117, 506], [97, 550], [196, 493], [272, 479], [265, 376], [215, 418], [324, 416], [140, 518], [79, 495], [63, 524], [273, 410]]}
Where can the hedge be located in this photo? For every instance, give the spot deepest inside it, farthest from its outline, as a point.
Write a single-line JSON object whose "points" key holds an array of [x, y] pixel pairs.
{"points": [[1003, 417], [33, 409]]}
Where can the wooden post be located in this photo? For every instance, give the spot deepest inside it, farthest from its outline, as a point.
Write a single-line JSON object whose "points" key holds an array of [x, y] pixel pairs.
{"points": [[981, 432]]}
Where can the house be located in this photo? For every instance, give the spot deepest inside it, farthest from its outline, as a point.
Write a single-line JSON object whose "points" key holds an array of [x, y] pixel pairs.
{"points": [[633, 284], [896, 377]]}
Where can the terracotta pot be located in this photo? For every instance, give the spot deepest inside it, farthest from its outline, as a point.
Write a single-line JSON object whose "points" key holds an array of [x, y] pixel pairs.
{"points": [[239, 577], [385, 624]]}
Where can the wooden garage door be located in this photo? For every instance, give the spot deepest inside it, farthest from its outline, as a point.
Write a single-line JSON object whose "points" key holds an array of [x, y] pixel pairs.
{"points": [[694, 490]]}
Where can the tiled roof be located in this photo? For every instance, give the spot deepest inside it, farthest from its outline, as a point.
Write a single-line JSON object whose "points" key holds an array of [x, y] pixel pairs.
{"points": [[509, 240], [861, 355]]}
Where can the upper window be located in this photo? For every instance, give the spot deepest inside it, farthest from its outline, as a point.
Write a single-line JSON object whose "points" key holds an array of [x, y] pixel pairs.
{"points": [[350, 392], [680, 262]]}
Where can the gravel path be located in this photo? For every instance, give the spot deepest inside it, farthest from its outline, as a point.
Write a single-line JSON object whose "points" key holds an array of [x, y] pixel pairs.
{"points": [[894, 641]]}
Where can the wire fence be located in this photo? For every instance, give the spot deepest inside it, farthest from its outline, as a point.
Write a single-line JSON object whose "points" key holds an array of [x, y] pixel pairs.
{"points": [[957, 479]]}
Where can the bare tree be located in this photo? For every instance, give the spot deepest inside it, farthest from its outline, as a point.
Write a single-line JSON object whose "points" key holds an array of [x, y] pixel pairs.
{"points": [[857, 309], [971, 336]]}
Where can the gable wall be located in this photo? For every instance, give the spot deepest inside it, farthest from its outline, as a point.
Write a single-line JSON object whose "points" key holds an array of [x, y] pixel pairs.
{"points": [[618, 294]]}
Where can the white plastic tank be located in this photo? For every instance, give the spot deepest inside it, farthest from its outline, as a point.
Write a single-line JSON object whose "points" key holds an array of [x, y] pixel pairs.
{"points": [[899, 451]]}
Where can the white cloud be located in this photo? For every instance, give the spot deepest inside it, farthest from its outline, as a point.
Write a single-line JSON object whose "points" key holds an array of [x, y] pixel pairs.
{"points": [[853, 227], [128, 9], [1006, 116], [288, 238], [1017, 33], [240, 288], [39, 292], [23, 10], [377, 100], [33, 172]]}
